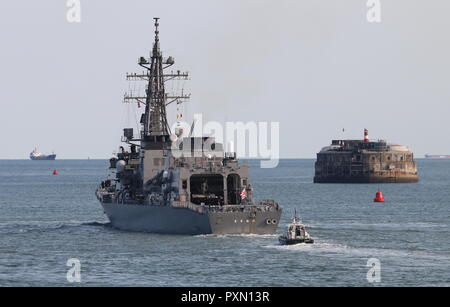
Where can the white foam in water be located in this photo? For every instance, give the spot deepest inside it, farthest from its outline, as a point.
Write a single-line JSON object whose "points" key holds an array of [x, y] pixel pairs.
{"points": [[316, 246], [325, 248], [30, 226], [408, 226], [237, 235]]}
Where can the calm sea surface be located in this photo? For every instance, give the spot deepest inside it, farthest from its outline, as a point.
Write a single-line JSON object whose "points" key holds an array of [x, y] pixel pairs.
{"points": [[46, 219]]}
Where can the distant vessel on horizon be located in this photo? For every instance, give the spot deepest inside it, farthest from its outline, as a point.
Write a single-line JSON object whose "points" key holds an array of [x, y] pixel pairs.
{"points": [[35, 155], [437, 156]]}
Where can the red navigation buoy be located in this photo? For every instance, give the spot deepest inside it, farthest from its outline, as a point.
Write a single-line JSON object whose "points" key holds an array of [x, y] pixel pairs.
{"points": [[55, 172], [379, 198]]}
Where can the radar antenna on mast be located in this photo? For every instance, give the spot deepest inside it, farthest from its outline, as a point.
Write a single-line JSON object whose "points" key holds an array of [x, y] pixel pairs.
{"points": [[154, 119]]}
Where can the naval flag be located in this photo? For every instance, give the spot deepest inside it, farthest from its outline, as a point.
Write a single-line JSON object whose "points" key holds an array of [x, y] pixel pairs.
{"points": [[243, 194]]}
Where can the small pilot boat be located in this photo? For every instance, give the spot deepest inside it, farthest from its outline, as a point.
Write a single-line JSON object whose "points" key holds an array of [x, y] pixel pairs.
{"points": [[296, 233]]}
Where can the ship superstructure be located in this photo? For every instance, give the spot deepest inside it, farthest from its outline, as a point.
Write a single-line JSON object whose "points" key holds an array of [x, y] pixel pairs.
{"points": [[166, 182]]}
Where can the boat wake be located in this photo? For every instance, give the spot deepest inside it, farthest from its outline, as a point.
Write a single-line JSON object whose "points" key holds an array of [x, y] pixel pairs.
{"points": [[408, 227], [335, 249], [237, 236], [317, 246], [98, 224], [39, 226]]}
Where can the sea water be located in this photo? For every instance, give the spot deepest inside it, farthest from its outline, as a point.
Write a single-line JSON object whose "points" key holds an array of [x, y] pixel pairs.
{"points": [[46, 219]]}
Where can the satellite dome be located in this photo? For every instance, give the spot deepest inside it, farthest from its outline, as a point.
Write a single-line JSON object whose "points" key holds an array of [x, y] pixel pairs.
{"points": [[120, 166]]}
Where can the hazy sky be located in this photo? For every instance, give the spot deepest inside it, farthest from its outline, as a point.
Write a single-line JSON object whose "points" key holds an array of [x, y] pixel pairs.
{"points": [[316, 66]]}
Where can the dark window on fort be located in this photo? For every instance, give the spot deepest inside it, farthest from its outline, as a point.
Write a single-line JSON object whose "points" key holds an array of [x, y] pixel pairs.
{"points": [[184, 184]]}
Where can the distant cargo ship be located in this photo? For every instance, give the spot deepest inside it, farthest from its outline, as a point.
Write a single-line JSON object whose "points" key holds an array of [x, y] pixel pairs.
{"points": [[35, 155], [437, 156]]}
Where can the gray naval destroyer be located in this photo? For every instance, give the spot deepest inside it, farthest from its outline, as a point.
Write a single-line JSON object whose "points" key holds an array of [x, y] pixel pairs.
{"points": [[175, 184]]}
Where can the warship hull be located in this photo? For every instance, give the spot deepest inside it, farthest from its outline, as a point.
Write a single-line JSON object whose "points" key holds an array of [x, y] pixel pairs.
{"points": [[172, 220]]}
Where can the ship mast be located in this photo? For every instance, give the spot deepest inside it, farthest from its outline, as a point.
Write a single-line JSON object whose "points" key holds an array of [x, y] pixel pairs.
{"points": [[154, 120]]}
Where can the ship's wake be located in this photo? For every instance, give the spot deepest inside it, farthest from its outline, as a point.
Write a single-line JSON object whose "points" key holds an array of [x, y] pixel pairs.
{"points": [[333, 249], [41, 226], [243, 235], [387, 226], [317, 246], [97, 224]]}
